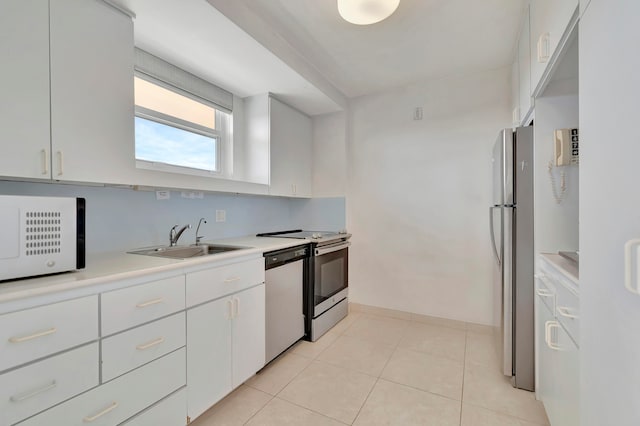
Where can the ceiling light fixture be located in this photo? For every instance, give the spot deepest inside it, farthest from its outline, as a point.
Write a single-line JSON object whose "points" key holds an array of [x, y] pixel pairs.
{"points": [[365, 12]]}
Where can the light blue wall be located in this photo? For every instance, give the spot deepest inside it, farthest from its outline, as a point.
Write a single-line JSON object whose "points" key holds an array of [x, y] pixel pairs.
{"points": [[119, 219]]}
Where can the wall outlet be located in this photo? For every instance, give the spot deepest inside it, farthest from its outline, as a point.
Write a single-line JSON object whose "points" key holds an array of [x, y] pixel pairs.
{"points": [[163, 195], [221, 215], [192, 194]]}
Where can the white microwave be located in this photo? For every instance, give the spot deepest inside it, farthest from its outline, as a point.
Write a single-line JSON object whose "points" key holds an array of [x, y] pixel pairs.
{"points": [[41, 235]]}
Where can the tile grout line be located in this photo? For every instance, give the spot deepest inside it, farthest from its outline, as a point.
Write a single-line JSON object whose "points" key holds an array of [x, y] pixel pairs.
{"points": [[261, 408], [464, 368]]}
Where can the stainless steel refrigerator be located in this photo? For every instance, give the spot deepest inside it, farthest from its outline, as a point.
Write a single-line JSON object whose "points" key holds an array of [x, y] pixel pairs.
{"points": [[511, 219]]}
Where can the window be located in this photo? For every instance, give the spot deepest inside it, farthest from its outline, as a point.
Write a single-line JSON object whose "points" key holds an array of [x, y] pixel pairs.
{"points": [[182, 123]]}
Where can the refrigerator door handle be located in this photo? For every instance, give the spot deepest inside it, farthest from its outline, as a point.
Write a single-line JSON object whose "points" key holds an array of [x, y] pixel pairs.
{"points": [[493, 236]]}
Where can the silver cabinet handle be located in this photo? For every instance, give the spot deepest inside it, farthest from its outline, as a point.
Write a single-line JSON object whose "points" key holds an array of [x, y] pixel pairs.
{"points": [[548, 326], [566, 312], [543, 292], [229, 309], [45, 162], [150, 344], [330, 249], [232, 279], [111, 407], [33, 336], [236, 307], [150, 302], [29, 394], [60, 163]]}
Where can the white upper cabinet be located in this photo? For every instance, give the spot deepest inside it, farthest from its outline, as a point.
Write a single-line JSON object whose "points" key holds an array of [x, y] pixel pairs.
{"points": [[524, 68], [92, 125], [24, 88], [550, 20], [291, 136], [66, 91]]}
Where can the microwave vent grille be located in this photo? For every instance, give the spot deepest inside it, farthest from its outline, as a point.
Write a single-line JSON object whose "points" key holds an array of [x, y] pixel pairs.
{"points": [[42, 232]]}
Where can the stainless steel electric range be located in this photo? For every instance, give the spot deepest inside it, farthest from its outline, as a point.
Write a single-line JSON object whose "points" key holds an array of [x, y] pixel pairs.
{"points": [[326, 281]]}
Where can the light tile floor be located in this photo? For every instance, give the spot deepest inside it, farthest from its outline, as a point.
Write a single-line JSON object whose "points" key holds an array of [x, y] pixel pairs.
{"points": [[377, 370]]}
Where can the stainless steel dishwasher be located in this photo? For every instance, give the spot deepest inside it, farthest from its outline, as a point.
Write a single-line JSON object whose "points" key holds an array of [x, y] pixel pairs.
{"points": [[285, 272]]}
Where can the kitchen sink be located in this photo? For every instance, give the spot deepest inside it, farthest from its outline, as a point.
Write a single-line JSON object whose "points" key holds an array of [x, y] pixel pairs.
{"points": [[186, 252]]}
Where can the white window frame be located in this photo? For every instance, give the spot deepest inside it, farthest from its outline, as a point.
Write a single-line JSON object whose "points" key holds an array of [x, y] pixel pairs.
{"points": [[222, 134]]}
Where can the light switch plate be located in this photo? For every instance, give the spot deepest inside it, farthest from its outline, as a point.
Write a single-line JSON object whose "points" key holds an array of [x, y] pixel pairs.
{"points": [[221, 215], [163, 195]]}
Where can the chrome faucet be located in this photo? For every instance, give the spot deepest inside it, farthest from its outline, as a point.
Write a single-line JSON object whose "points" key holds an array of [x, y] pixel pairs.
{"points": [[198, 238], [175, 235]]}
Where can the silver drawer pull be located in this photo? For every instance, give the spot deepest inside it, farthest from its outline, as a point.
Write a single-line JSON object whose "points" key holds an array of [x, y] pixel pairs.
{"points": [[90, 419], [32, 393], [150, 344], [150, 302], [566, 312], [233, 279], [32, 336], [544, 292]]}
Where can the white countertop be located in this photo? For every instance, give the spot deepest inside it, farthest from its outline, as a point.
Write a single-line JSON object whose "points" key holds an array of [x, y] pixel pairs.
{"points": [[105, 268], [566, 267]]}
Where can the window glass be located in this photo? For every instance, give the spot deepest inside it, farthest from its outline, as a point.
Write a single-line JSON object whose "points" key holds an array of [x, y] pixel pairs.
{"points": [[161, 143]]}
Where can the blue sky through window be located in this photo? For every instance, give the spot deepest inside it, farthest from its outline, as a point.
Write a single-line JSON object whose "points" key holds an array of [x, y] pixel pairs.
{"points": [[161, 143]]}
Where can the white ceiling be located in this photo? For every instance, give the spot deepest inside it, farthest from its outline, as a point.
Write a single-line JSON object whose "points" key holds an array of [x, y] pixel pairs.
{"points": [[423, 39], [313, 59]]}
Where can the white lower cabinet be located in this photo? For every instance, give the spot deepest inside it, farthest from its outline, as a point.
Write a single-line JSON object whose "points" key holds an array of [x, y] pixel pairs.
{"points": [[170, 411], [558, 357], [225, 346], [120, 399], [36, 387]]}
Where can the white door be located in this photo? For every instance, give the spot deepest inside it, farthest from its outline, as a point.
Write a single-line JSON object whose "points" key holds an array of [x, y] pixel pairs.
{"points": [[546, 365], [248, 333], [24, 89], [208, 355], [92, 117]]}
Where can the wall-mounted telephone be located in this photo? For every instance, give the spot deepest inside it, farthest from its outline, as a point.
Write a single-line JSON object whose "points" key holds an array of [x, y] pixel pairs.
{"points": [[567, 147]]}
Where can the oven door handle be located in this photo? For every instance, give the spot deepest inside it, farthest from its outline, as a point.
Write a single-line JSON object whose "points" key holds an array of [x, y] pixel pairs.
{"points": [[330, 249]]}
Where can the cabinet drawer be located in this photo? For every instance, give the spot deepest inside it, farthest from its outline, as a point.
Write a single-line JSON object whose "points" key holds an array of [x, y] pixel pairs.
{"points": [[37, 332], [126, 308], [568, 310], [31, 389], [171, 411], [217, 282], [120, 399], [126, 351]]}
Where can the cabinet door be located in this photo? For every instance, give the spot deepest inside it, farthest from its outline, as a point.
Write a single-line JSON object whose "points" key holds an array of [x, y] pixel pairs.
{"points": [[208, 355], [546, 367], [290, 151], [248, 333], [567, 407], [24, 89], [524, 67], [549, 20], [92, 117]]}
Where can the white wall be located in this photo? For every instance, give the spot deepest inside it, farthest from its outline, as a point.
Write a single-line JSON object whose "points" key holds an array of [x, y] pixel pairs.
{"points": [[556, 224], [418, 195], [609, 212], [329, 155], [119, 219]]}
